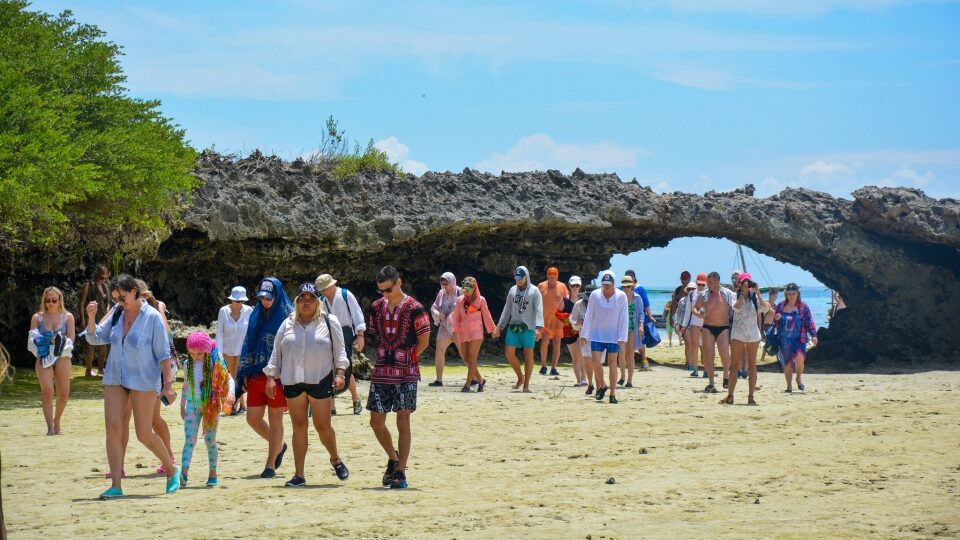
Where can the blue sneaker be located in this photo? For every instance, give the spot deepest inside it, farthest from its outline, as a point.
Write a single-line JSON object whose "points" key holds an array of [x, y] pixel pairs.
{"points": [[183, 478], [399, 480], [112, 493], [173, 483], [213, 481]]}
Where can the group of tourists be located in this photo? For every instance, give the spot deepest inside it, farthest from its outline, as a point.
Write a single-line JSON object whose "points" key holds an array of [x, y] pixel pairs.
{"points": [[711, 319], [285, 355]]}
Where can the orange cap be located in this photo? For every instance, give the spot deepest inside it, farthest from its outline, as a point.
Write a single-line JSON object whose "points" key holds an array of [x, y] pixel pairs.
{"points": [[552, 271], [702, 278]]}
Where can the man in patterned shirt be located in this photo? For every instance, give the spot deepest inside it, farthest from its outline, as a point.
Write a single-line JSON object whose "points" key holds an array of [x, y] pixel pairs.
{"points": [[401, 327]]}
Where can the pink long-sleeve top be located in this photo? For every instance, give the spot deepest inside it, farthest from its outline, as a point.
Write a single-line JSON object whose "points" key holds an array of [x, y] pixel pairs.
{"points": [[469, 325]]}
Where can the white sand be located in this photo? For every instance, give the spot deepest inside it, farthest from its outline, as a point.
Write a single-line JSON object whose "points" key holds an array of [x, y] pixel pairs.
{"points": [[855, 456]]}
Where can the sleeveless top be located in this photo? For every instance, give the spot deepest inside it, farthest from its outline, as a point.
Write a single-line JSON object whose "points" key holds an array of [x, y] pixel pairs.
{"points": [[42, 328], [101, 296]]}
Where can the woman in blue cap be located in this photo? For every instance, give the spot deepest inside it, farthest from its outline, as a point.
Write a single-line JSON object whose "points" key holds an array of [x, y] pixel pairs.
{"points": [[273, 308]]}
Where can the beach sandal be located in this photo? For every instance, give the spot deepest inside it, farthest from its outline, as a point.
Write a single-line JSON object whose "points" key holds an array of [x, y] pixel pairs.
{"points": [[710, 389], [388, 475], [123, 474], [801, 387], [726, 383], [788, 391], [399, 480], [173, 483], [466, 389], [554, 372], [613, 400], [518, 385], [279, 460], [750, 401], [728, 400], [296, 481], [112, 493], [620, 382], [161, 470], [628, 385], [341, 470], [589, 391], [481, 385], [183, 478], [705, 374], [436, 383], [357, 407]]}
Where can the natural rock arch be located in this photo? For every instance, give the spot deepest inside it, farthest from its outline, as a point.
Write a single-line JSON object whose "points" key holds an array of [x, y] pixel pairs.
{"points": [[894, 254]]}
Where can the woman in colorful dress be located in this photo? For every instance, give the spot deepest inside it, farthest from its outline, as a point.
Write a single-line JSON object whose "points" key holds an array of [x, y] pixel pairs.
{"points": [[795, 327]]}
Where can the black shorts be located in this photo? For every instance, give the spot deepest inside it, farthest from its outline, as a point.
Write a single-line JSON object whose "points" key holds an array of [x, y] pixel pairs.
{"points": [[569, 340], [384, 398], [323, 390]]}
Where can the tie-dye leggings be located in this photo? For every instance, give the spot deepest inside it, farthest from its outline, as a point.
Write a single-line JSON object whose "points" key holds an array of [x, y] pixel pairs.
{"points": [[191, 424]]}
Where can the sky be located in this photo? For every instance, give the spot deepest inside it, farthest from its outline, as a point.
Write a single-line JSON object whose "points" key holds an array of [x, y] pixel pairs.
{"points": [[683, 95]]}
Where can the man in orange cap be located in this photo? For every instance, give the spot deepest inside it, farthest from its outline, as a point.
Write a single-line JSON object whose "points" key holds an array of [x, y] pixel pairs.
{"points": [[553, 293]]}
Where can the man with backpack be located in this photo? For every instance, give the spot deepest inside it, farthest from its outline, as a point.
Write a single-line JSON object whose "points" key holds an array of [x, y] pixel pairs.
{"points": [[344, 306]]}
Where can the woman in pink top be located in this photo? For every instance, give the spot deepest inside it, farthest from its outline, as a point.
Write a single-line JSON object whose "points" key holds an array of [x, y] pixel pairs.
{"points": [[468, 319]]}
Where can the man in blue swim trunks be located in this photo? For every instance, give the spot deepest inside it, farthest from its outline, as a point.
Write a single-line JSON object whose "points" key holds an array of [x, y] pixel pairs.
{"points": [[605, 328], [522, 322]]}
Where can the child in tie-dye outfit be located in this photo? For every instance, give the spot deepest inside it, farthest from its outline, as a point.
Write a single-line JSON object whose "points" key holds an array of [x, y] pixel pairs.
{"points": [[207, 385]]}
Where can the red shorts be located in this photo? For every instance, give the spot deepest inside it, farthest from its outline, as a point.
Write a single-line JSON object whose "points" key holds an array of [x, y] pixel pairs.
{"points": [[257, 393]]}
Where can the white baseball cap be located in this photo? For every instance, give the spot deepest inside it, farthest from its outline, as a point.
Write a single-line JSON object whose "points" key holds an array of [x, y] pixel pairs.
{"points": [[575, 280]]}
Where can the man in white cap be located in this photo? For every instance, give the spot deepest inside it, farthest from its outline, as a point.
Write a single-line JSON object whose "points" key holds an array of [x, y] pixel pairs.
{"points": [[605, 328], [344, 306]]}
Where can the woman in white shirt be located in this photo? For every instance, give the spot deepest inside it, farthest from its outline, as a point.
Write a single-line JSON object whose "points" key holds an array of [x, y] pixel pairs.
{"points": [[310, 360], [748, 313], [231, 330]]}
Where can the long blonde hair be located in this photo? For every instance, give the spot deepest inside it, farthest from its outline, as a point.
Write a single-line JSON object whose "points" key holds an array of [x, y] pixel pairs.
{"points": [[295, 314], [4, 363], [43, 300]]}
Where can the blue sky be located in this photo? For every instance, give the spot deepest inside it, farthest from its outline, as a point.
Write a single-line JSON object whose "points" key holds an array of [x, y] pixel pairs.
{"points": [[683, 95]]}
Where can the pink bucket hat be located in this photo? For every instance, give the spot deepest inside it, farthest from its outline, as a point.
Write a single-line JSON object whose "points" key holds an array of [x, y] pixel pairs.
{"points": [[744, 276], [199, 341]]}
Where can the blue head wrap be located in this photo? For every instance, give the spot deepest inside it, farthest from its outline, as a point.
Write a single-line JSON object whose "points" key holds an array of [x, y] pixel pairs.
{"points": [[261, 331]]}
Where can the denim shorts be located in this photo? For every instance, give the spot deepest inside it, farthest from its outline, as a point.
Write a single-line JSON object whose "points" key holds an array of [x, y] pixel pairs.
{"points": [[525, 339], [597, 346]]}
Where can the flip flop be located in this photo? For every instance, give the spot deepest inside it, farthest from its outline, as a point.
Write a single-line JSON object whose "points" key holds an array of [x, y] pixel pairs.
{"points": [[481, 385]]}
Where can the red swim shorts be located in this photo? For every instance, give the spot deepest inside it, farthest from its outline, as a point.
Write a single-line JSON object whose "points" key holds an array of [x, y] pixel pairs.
{"points": [[257, 393]]}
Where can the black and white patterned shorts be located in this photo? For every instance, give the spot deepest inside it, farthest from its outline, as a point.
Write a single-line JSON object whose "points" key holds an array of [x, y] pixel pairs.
{"points": [[386, 398]]}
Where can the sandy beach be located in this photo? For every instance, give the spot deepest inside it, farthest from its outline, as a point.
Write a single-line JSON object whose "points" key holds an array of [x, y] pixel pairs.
{"points": [[855, 456]]}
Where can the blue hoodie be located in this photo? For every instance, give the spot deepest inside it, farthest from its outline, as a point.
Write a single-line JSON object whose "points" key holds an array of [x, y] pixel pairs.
{"points": [[261, 331]]}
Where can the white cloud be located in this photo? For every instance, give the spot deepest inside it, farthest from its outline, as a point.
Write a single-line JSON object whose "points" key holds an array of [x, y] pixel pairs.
{"points": [[540, 152], [825, 168], [906, 177], [400, 153]]}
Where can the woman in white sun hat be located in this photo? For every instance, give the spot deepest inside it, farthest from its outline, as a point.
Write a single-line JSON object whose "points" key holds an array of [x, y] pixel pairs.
{"points": [[231, 329]]}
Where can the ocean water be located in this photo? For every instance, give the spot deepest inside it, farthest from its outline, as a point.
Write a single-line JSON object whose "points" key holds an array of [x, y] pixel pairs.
{"points": [[817, 297]]}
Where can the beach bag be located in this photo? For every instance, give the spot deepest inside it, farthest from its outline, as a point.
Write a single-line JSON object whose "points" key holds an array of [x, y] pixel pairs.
{"points": [[651, 336]]}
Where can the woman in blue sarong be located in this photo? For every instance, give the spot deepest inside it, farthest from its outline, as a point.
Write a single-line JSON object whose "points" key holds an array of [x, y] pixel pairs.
{"points": [[795, 326]]}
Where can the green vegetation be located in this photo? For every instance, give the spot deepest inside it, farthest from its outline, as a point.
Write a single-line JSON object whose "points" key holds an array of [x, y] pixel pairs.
{"points": [[75, 150], [335, 153]]}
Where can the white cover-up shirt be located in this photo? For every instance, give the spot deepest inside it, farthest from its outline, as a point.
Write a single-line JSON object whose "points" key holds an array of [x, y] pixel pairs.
{"points": [[230, 333], [302, 354], [606, 319]]}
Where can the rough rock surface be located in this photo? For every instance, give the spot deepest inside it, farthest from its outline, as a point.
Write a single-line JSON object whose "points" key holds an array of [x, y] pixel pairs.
{"points": [[894, 254]]}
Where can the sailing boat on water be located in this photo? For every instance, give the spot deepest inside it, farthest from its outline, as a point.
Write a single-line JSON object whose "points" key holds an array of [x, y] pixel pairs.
{"points": [[763, 270]]}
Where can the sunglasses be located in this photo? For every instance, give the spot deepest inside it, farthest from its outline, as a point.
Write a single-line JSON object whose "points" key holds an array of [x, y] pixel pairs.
{"points": [[467, 287], [51, 300], [388, 289]]}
